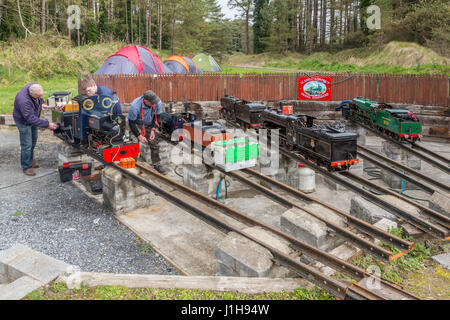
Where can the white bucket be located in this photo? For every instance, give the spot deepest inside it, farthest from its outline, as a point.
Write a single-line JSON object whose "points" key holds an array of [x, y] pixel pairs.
{"points": [[307, 179]]}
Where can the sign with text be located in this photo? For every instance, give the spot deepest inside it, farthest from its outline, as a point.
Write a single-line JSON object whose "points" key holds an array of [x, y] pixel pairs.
{"points": [[314, 88]]}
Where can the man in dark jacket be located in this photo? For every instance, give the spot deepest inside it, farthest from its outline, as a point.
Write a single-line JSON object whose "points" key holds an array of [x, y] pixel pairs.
{"points": [[143, 121], [91, 88], [27, 112]]}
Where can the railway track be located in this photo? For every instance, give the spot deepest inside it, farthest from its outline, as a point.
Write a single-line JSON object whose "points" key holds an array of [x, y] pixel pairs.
{"points": [[411, 149], [427, 226], [358, 290], [360, 225], [433, 185], [342, 290], [438, 229]]}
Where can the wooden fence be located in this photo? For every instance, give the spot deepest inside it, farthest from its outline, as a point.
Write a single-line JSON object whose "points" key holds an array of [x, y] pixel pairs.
{"points": [[410, 89]]}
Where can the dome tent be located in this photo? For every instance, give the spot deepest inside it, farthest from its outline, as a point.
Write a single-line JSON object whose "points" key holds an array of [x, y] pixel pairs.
{"points": [[207, 63], [179, 64], [133, 60], [193, 68]]}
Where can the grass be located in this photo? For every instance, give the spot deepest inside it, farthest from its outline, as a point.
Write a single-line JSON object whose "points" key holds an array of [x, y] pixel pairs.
{"points": [[397, 270], [395, 57], [241, 71], [8, 92], [59, 291], [17, 213]]}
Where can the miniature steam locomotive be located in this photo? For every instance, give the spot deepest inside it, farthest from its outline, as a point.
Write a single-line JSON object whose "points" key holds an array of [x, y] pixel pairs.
{"points": [[90, 123], [327, 146], [399, 124], [170, 121], [244, 113]]}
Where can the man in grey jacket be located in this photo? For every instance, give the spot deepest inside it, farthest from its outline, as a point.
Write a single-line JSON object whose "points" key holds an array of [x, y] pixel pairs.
{"points": [[143, 121], [27, 116]]}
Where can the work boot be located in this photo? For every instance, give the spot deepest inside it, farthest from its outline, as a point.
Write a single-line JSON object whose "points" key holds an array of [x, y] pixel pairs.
{"points": [[160, 169], [34, 164], [29, 172]]}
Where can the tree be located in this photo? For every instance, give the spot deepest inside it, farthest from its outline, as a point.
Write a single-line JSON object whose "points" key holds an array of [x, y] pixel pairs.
{"points": [[2, 2], [103, 21], [261, 25], [42, 16], [323, 24], [148, 22], [244, 6]]}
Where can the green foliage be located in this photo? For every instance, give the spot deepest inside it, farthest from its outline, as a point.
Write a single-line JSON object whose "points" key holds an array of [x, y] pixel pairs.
{"points": [[315, 294], [58, 287], [93, 32], [60, 291], [17, 213], [261, 25], [396, 270], [110, 292], [36, 295]]}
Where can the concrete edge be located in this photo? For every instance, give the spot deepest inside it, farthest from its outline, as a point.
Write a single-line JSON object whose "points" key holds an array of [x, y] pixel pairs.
{"points": [[236, 284]]}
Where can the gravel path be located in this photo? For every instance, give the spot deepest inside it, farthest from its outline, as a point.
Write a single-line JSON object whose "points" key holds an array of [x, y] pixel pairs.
{"points": [[61, 221]]}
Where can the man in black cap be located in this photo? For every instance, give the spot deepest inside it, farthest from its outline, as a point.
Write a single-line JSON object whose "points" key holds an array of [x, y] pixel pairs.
{"points": [[143, 121]]}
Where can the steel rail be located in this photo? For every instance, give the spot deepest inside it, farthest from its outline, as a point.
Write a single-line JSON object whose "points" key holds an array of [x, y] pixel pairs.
{"points": [[301, 246], [361, 225], [405, 177], [404, 168], [431, 153], [438, 217], [433, 162], [424, 225], [336, 287], [311, 251], [372, 248]]}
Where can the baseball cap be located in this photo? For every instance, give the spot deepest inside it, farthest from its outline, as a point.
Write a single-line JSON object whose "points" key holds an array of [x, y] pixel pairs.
{"points": [[149, 95]]}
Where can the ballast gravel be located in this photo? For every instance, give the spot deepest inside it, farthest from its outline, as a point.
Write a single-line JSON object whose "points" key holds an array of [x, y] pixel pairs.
{"points": [[59, 220]]}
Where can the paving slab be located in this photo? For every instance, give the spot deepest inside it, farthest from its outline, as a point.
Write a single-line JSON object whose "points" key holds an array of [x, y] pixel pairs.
{"points": [[39, 266], [19, 288], [242, 257], [12, 173], [440, 202], [443, 259], [309, 229], [23, 270], [367, 211], [345, 251]]}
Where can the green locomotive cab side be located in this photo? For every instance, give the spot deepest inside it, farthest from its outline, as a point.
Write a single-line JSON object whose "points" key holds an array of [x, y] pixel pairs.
{"points": [[399, 123]]}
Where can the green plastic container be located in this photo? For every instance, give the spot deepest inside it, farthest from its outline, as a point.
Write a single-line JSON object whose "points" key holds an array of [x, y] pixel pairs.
{"points": [[235, 154]]}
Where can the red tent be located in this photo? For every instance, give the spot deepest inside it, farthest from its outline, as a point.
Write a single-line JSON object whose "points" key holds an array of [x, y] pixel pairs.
{"points": [[133, 59]]}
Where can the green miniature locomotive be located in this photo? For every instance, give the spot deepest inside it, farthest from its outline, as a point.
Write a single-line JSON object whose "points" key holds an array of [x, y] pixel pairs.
{"points": [[399, 124]]}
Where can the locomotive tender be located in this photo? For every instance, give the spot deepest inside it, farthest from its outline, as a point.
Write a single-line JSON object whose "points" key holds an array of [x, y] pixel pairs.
{"points": [[246, 114], [325, 145]]}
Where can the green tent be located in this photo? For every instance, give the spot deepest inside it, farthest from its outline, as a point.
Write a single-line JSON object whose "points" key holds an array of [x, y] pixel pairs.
{"points": [[206, 63]]}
